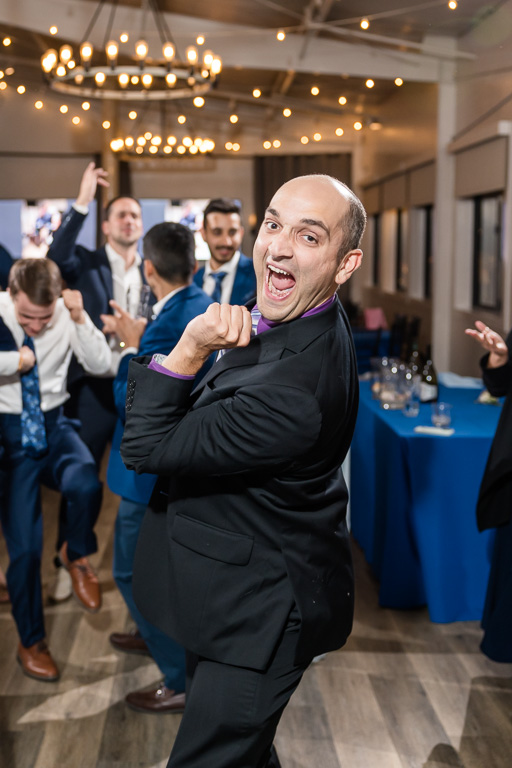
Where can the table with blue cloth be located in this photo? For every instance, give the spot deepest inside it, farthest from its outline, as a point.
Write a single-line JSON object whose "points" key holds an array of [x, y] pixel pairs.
{"points": [[413, 500]]}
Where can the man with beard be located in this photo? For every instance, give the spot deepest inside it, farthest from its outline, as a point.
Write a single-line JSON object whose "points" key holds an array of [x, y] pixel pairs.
{"points": [[228, 277]]}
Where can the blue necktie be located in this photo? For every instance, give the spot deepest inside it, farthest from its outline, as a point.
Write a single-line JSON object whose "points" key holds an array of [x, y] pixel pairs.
{"points": [[33, 430], [217, 291]]}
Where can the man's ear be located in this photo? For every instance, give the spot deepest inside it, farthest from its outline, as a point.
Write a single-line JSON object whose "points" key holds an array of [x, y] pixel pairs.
{"points": [[351, 262], [148, 268], [202, 231], [105, 228]]}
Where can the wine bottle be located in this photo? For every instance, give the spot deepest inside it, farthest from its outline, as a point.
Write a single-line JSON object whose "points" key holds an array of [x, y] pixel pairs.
{"points": [[416, 360], [429, 390]]}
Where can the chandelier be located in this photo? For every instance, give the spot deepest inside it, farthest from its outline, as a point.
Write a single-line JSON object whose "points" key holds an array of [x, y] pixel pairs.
{"points": [[116, 73]]}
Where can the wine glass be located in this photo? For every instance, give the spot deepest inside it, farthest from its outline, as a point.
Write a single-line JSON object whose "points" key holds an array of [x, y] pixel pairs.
{"points": [[441, 415]]}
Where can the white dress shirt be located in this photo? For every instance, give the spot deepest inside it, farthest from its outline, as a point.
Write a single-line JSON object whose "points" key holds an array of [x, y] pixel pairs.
{"points": [[227, 284], [53, 348]]}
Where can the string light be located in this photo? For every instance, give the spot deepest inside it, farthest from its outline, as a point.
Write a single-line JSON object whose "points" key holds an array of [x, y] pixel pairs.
{"points": [[364, 23], [53, 30], [281, 35], [236, 147], [198, 102], [63, 109], [452, 5], [267, 144], [200, 40], [256, 93], [317, 137], [287, 112], [75, 120], [315, 90], [228, 145], [86, 106], [304, 140], [171, 140], [357, 125], [276, 143], [106, 124], [132, 114], [369, 83], [233, 119], [21, 89], [38, 105], [148, 135], [399, 81], [124, 37], [339, 131], [342, 100]]}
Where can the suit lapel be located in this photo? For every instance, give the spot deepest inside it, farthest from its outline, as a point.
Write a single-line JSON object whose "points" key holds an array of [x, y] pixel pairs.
{"points": [[270, 345], [105, 273]]}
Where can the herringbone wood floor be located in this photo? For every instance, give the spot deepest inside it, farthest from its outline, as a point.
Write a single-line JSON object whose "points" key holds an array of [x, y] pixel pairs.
{"points": [[403, 693]]}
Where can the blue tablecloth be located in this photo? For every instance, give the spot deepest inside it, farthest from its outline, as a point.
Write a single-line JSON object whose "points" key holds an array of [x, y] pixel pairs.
{"points": [[413, 500]]}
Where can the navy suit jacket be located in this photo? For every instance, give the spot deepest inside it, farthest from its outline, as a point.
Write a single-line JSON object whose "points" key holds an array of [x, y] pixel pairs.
{"points": [[159, 337], [244, 287]]}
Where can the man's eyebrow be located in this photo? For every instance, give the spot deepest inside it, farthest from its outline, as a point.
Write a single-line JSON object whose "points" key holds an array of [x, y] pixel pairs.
{"points": [[317, 223], [273, 212]]}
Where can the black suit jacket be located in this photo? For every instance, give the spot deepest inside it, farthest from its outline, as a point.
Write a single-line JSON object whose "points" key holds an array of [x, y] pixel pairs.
{"points": [[494, 505], [249, 514]]}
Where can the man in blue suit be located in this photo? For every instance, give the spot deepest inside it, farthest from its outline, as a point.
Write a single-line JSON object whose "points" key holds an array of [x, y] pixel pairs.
{"points": [[228, 277], [169, 265]]}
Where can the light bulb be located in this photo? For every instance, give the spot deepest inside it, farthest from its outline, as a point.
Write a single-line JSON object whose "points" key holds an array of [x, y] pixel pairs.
{"points": [[315, 90], [170, 79], [364, 23], [304, 140], [141, 49], [256, 93], [182, 119], [132, 114], [233, 119], [21, 89], [111, 49], [287, 112], [65, 53], [168, 51], [171, 140], [342, 100], [38, 105], [85, 106], [216, 66], [399, 81], [191, 54], [267, 144], [106, 124], [198, 101], [281, 35], [369, 83], [86, 50], [208, 59], [49, 59], [100, 78], [123, 79], [147, 79]]}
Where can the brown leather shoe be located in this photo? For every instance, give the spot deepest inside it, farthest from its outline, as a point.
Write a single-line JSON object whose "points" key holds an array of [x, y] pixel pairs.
{"points": [[36, 662], [129, 642], [159, 700], [84, 580]]}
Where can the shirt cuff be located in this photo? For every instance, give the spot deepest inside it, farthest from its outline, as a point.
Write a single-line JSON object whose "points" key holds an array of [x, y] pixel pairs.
{"points": [[156, 366], [83, 209]]}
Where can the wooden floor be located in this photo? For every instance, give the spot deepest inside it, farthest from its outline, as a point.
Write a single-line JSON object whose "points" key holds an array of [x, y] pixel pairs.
{"points": [[403, 693]]}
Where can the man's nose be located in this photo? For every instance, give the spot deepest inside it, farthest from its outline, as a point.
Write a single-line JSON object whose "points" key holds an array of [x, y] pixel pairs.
{"points": [[281, 245]]}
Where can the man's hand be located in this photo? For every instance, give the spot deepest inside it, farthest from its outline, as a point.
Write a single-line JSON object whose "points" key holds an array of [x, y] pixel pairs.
{"points": [[491, 342], [74, 302], [128, 329], [222, 326], [27, 360], [90, 180]]}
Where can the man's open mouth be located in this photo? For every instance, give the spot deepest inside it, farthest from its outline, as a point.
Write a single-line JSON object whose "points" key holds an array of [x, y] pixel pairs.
{"points": [[279, 281]]}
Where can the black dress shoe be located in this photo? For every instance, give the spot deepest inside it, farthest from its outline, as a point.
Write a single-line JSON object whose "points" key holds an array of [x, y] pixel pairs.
{"points": [[129, 642], [273, 761], [159, 700]]}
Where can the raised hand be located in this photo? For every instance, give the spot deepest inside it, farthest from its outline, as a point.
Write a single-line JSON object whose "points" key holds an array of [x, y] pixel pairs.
{"points": [[90, 180], [491, 341], [222, 326], [127, 328], [74, 302]]}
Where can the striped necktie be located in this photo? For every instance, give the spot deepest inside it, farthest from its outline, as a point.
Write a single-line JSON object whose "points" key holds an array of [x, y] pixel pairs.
{"points": [[217, 291], [33, 429]]}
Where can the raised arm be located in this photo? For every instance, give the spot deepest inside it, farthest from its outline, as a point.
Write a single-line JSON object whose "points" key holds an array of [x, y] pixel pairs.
{"points": [[63, 249]]}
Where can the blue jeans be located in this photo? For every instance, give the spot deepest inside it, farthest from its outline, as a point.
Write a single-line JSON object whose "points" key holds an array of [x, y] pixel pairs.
{"points": [[168, 655], [67, 467]]}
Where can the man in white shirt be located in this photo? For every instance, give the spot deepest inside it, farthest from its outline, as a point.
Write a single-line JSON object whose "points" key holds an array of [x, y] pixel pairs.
{"points": [[228, 277], [39, 332], [112, 272]]}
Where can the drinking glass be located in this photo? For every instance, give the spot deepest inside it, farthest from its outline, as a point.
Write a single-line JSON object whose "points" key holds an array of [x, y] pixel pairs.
{"points": [[441, 415]]}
